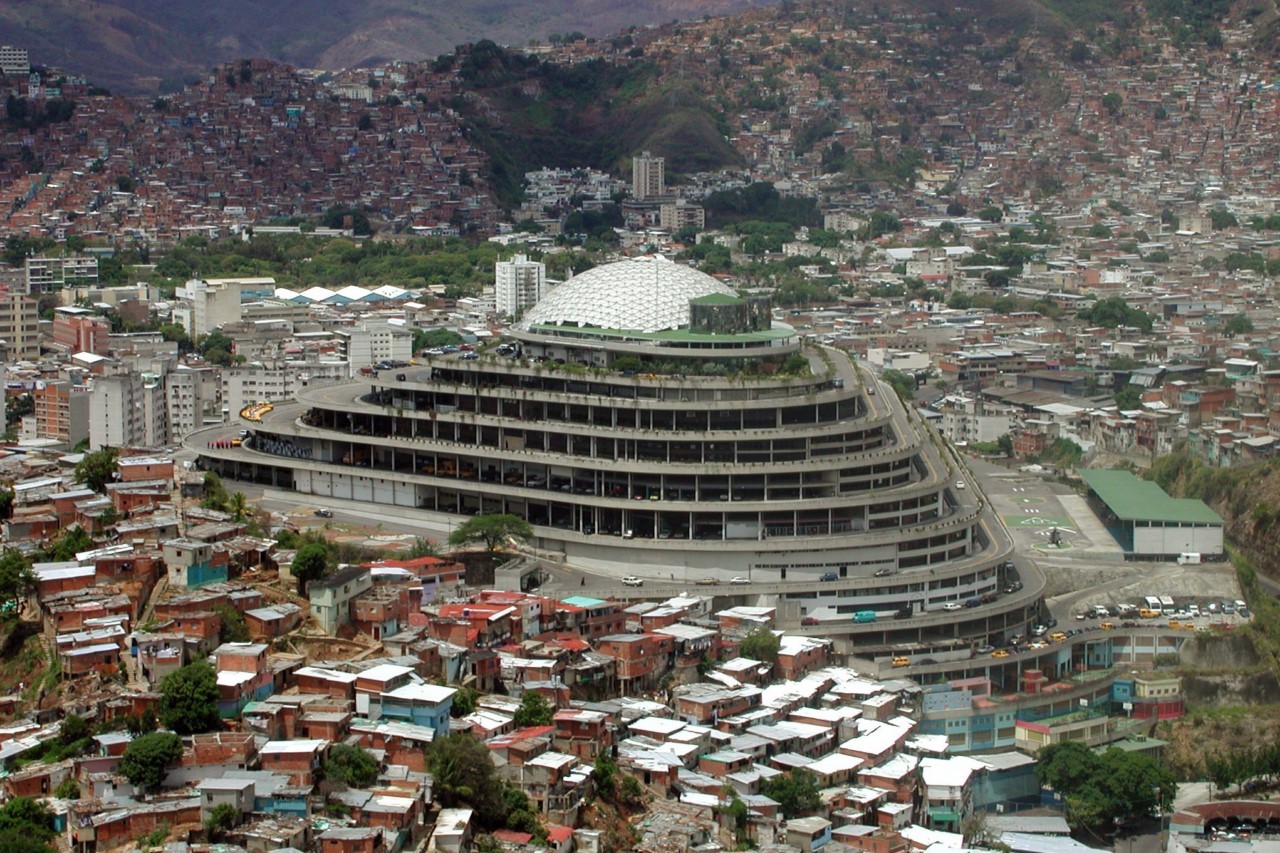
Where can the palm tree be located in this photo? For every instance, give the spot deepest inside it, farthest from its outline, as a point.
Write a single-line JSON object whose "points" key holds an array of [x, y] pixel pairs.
{"points": [[238, 506]]}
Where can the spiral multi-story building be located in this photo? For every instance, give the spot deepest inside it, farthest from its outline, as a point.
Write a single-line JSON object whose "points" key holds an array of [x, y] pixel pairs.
{"points": [[647, 421]]}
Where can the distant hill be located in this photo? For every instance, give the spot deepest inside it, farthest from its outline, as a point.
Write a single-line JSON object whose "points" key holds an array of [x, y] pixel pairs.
{"points": [[142, 46], [525, 114]]}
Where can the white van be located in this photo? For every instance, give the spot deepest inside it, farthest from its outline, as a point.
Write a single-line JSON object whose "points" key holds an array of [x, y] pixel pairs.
{"points": [[1189, 558]]}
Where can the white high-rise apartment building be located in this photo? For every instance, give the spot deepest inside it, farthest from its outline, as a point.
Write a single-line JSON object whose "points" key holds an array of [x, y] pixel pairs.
{"points": [[192, 396], [14, 61], [19, 326], [648, 176], [46, 274], [128, 410], [518, 284], [213, 304]]}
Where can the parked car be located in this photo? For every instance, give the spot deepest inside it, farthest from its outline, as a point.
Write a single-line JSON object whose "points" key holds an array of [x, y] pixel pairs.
{"points": [[1039, 631], [632, 580], [884, 573], [739, 579], [986, 649], [707, 581], [324, 513], [953, 605], [829, 576]]}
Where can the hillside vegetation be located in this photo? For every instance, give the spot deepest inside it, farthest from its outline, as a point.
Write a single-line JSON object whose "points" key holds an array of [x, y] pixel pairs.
{"points": [[526, 113]]}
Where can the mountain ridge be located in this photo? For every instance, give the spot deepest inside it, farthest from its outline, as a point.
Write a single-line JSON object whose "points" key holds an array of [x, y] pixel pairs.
{"points": [[136, 48]]}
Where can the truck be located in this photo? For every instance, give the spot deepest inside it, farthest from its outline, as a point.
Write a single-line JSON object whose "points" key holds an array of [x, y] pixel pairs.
{"points": [[1189, 558]]}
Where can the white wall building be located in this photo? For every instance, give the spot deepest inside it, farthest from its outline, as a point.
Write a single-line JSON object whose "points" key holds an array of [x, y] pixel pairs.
{"points": [[212, 305], [191, 395], [648, 176], [243, 386], [45, 274], [14, 61], [373, 341], [128, 410], [518, 284]]}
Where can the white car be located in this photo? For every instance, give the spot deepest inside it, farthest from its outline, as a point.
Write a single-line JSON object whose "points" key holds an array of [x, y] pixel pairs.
{"points": [[953, 605], [960, 484], [739, 579], [632, 580]]}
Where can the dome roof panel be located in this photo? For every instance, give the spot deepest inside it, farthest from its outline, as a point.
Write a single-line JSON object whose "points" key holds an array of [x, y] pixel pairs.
{"points": [[645, 294]]}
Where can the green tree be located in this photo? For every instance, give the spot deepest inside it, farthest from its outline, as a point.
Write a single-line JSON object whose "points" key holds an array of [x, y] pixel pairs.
{"points": [[350, 765], [991, 213], [1112, 103], [761, 644], [903, 384], [68, 789], [1102, 790], [1066, 766], [796, 793], [309, 564], [6, 503], [1128, 397], [238, 506], [464, 702], [70, 542], [189, 699], [146, 758], [16, 580], [522, 815], [223, 817], [534, 710], [1237, 324], [74, 727], [233, 629], [1221, 218], [605, 770], [464, 775], [98, 468], [25, 826], [881, 223], [491, 530], [1114, 311]]}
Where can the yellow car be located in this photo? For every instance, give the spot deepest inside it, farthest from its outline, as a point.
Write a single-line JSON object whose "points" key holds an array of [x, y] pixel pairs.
{"points": [[1147, 613], [900, 661], [1057, 637], [1174, 623], [1107, 626], [1000, 653]]}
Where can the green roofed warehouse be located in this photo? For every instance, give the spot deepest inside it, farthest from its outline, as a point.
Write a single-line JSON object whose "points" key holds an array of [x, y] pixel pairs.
{"points": [[1147, 522]]}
